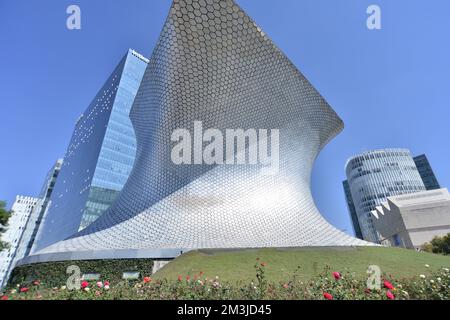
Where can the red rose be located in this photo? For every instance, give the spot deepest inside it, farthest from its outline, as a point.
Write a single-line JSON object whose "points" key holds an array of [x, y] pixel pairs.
{"points": [[24, 289], [388, 285], [4, 298], [390, 296], [180, 278], [188, 278], [106, 283], [84, 284], [327, 296], [147, 279], [336, 275]]}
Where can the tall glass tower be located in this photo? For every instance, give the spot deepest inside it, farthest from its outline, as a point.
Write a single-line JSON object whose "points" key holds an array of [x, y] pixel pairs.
{"points": [[374, 176], [100, 155], [21, 211], [426, 172], [26, 233], [352, 210], [37, 216]]}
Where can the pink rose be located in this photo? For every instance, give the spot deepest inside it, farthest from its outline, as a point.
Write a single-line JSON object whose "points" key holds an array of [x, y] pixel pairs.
{"points": [[337, 275], [388, 285], [327, 296], [389, 295]]}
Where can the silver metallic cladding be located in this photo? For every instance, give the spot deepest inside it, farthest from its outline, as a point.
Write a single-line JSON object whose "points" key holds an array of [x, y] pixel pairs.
{"points": [[213, 64]]}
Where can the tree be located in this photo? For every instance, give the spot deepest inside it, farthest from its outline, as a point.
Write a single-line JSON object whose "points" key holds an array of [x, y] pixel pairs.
{"points": [[4, 217], [439, 245]]}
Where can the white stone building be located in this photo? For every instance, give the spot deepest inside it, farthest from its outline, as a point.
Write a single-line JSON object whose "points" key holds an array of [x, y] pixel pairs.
{"points": [[21, 211], [411, 220]]}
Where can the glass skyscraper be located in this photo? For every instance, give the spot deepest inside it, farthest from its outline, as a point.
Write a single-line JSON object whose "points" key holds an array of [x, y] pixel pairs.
{"points": [[352, 210], [37, 216], [426, 172], [376, 175], [21, 211], [100, 155], [26, 228]]}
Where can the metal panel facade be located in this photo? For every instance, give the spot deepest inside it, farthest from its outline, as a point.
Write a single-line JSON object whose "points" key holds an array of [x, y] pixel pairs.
{"points": [[213, 64]]}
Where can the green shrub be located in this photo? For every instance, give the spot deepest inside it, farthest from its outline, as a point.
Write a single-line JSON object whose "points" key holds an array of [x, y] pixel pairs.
{"points": [[439, 245], [54, 274]]}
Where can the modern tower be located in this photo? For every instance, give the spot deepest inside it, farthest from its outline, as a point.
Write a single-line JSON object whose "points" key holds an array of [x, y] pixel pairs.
{"points": [[21, 211], [374, 176], [36, 217], [214, 68], [352, 210], [426, 172], [26, 236], [100, 155]]}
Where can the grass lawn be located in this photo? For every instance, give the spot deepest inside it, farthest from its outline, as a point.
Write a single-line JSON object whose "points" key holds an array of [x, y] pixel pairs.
{"points": [[238, 265]]}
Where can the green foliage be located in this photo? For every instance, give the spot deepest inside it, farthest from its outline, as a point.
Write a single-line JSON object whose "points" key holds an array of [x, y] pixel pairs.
{"points": [[427, 247], [433, 285], [439, 245], [4, 217], [54, 274], [4, 214]]}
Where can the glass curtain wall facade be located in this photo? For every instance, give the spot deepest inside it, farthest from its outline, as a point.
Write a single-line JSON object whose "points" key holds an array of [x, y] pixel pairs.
{"points": [[352, 210], [376, 175], [21, 211], [36, 217], [426, 172], [26, 239], [100, 155]]}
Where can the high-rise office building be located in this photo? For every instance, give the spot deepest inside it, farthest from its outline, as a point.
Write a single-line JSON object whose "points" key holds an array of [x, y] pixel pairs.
{"points": [[426, 172], [100, 155], [29, 231], [21, 211], [34, 222], [376, 175], [352, 210]]}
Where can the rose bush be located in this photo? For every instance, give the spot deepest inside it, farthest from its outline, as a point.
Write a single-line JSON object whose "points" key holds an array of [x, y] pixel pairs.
{"points": [[328, 285]]}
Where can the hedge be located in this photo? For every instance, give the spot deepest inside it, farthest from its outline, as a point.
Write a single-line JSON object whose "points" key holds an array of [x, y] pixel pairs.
{"points": [[54, 274]]}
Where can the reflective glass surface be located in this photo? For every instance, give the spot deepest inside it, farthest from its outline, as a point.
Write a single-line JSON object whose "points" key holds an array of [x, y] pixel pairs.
{"points": [[99, 158]]}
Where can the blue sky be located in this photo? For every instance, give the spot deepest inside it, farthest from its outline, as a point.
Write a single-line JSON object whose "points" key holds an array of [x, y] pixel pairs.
{"points": [[390, 86]]}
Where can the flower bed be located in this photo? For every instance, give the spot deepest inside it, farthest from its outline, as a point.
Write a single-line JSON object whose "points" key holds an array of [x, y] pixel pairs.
{"points": [[329, 285]]}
